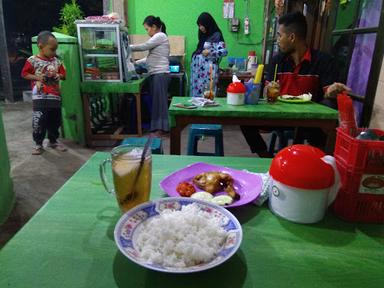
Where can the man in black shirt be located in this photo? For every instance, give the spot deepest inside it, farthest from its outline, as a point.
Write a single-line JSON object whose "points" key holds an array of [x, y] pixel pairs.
{"points": [[299, 70]]}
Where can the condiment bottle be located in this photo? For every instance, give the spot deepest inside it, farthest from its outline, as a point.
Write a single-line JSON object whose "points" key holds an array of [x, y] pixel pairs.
{"points": [[252, 59]]}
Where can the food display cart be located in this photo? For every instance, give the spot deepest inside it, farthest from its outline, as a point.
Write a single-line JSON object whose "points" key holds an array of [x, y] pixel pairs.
{"points": [[100, 52], [110, 95]]}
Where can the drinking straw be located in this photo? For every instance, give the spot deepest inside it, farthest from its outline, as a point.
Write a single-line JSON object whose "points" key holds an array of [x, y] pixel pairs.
{"points": [[259, 74], [274, 76], [146, 146], [210, 81], [142, 159]]}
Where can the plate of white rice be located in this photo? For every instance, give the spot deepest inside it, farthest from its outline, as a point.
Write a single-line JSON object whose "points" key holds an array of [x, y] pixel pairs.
{"points": [[178, 235]]}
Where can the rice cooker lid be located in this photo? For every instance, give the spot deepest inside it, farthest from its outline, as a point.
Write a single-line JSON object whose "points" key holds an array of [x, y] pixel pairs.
{"points": [[236, 87], [301, 166]]}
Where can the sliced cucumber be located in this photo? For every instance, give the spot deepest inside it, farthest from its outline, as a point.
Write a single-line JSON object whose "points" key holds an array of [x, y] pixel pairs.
{"points": [[202, 196], [222, 200]]}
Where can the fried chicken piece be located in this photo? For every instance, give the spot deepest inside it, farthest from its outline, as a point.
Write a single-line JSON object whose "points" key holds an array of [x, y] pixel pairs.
{"points": [[210, 181], [216, 181]]}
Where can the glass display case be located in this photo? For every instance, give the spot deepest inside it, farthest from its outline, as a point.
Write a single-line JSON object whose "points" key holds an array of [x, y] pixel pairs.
{"points": [[100, 52]]}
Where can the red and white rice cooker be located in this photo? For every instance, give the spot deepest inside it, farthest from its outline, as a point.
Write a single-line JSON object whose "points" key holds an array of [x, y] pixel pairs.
{"points": [[304, 183], [236, 93]]}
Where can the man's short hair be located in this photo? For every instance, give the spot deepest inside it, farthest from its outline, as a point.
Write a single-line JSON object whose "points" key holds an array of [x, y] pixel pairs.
{"points": [[296, 23], [43, 37]]}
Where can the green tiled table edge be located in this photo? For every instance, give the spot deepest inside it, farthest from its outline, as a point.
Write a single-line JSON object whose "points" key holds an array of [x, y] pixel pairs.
{"points": [[278, 110]]}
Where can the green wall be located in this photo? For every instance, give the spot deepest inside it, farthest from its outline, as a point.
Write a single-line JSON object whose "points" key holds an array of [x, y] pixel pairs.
{"points": [[180, 19], [7, 196], [345, 15]]}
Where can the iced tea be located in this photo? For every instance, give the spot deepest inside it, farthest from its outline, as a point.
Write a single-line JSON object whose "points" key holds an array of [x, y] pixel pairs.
{"points": [[128, 193], [131, 177], [209, 95], [273, 91]]}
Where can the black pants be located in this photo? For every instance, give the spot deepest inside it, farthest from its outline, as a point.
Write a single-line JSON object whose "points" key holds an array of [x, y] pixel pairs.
{"points": [[314, 136], [159, 91], [254, 140], [46, 120]]}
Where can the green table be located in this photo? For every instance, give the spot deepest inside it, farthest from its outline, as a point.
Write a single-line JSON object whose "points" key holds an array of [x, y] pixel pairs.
{"points": [[89, 88], [265, 115], [69, 243]]}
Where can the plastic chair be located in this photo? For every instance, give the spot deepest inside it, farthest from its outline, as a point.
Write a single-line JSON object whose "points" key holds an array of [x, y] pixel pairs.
{"points": [[156, 144], [196, 131], [283, 135]]}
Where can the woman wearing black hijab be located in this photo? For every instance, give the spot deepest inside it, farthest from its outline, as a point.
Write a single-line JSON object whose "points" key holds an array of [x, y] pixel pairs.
{"points": [[210, 49]]}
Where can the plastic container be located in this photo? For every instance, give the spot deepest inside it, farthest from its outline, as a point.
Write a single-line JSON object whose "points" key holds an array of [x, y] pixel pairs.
{"points": [[236, 93], [241, 63], [361, 167], [251, 61], [231, 61], [253, 93], [304, 183], [365, 155], [355, 207]]}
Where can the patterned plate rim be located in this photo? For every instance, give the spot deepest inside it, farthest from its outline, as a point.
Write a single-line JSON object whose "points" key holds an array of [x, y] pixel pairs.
{"points": [[123, 219]]}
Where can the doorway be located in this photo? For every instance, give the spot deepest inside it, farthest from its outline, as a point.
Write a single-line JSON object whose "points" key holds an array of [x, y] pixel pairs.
{"points": [[24, 19], [21, 24]]}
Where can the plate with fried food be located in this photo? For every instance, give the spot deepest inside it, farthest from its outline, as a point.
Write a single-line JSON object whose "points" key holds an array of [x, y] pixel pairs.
{"points": [[221, 185]]}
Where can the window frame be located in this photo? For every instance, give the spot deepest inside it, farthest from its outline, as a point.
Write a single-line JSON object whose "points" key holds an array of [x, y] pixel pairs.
{"points": [[368, 99]]}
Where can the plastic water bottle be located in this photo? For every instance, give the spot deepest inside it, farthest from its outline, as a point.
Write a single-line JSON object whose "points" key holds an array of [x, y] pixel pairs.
{"points": [[252, 60]]}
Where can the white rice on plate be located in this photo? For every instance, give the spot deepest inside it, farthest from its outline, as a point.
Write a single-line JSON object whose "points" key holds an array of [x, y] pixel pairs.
{"points": [[181, 238]]}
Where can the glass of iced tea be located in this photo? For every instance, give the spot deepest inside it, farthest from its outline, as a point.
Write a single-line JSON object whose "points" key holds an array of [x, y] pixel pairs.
{"points": [[132, 174], [209, 92], [209, 95], [273, 91]]}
